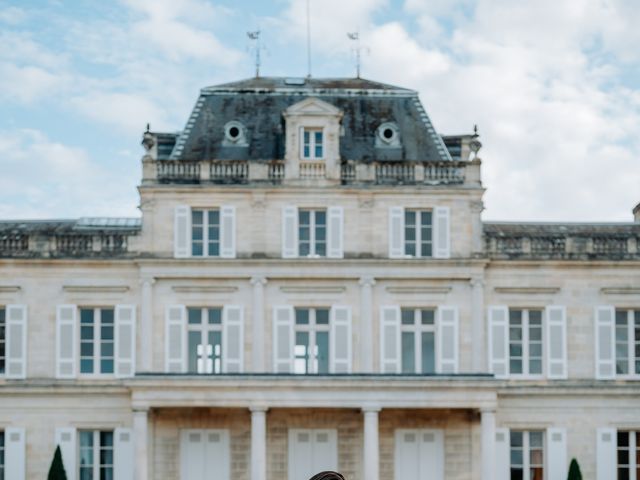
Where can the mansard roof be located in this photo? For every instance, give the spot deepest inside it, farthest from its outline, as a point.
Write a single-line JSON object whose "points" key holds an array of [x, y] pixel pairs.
{"points": [[258, 105]]}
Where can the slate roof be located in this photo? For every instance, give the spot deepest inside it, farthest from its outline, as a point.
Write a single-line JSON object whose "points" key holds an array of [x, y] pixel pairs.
{"points": [[80, 226], [532, 229], [258, 104]]}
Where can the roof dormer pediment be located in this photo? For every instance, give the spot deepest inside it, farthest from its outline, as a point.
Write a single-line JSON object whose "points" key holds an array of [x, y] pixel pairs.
{"points": [[312, 107]]}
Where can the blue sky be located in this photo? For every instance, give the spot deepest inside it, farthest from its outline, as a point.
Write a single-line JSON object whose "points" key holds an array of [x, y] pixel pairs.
{"points": [[554, 86]]}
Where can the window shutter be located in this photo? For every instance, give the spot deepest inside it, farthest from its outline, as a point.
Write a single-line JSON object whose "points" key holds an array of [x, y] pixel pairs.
{"points": [[396, 232], [228, 231], [123, 454], [606, 454], [340, 339], [289, 232], [556, 341], [14, 453], [66, 341], [335, 232], [503, 463], [324, 455], [605, 342], [283, 339], [447, 339], [390, 339], [557, 466], [182, 232], [176, 339], [66, 440], [232, 339], [125, 340], [441, 233], [431, 454], [16, 335], [498, 341]]}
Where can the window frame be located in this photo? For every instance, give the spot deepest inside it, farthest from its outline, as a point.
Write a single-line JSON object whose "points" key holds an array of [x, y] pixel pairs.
{"points": [[96, 341], [526, 343], [96, 449], [633, 449], [313, 225], [312, 328], [418, 232], [526, 453], [312, 144], [632, 317], [206, 211], [417, 329], [205, 328]]}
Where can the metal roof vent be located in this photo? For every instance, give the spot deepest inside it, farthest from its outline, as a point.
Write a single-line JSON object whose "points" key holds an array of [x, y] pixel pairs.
{"points": [[294, 81]]}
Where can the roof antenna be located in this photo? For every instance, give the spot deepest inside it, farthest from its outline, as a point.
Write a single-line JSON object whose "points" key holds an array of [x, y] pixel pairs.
{"points": [[308, 40], [255, 36], [355, 36]]}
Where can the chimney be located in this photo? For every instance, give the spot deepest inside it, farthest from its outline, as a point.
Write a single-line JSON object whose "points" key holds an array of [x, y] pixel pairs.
{"points": [[636, 213]]}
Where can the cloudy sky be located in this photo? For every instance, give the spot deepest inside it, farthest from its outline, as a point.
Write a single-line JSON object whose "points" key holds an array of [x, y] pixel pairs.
{"points": [[554, 86]]}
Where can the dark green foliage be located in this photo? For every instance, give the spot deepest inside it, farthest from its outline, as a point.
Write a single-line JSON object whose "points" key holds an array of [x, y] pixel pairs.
{"points": [[56, 472], [574, 470]]}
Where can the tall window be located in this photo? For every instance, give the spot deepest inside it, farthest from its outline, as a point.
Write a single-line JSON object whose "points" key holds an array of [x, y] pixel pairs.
{"points": [[312, 233], [628, 342], [3, 339], [205, 340], [312, 144], [96, 455], [527, 455], [96, 340], [1, 455], [418, 233], [525, 342], [311, 340], [418, 329], [205, 233], [628, 455]]}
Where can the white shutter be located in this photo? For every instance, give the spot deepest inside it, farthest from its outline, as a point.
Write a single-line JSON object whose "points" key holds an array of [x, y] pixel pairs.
{"points": [[125, 352], [228, 231], [498, 341], [335, 232], [283, 339], [556, 341], [324, 456], [396, 232], [503, 464], [390, 339], [431, 454], [176, 339], [182, 232], [605, 342], [557, 466], [14, 454], [606, 454], [123, 454], [340, 339], [16, 335], [66, 440], [447, 338], [289, 232], [441, 233], [232, 339], [66, 341]]}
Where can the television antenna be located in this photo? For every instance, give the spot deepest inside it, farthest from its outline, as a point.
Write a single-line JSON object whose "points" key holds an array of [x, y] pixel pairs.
{"points": [[257, 48], [358, 49]]}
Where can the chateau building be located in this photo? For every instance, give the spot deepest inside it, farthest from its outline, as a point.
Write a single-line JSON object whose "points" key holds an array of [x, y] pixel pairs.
{"points": [[311, 287]]}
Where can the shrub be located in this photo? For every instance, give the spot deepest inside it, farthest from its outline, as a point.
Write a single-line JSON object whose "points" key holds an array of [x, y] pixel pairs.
{"points": [[56, 472]]}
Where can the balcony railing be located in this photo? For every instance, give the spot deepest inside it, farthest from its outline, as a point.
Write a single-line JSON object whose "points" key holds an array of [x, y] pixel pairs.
{"points": [[275, 172], [178, 171], [312, 170], [229, 172]]}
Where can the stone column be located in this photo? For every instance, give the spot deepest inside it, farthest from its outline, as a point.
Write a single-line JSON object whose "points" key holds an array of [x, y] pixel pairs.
{"points": [[141, 440], [257, 354], [258, 443], [488, 447], [146, 324], [371, 452], [478, 349], [366, 324]]}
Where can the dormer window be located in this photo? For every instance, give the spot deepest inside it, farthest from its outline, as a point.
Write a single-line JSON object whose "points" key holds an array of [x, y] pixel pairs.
{"points": [[312, 144]]}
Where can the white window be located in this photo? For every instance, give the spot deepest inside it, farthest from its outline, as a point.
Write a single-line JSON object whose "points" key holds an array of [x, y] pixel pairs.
{"points": [[525, 342], [312, 233], [97, 340], [311, 349], [627, 338], [527, 455], [312, 451], [205, 340], [312, 144], [418, 330], [419, 454], [96, 455], [205, 233], [418, 233], [628, 454]]}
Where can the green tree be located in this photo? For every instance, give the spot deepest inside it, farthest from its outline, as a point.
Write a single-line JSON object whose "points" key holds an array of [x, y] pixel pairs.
{"points": [[574, 470], [56, 472]]}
